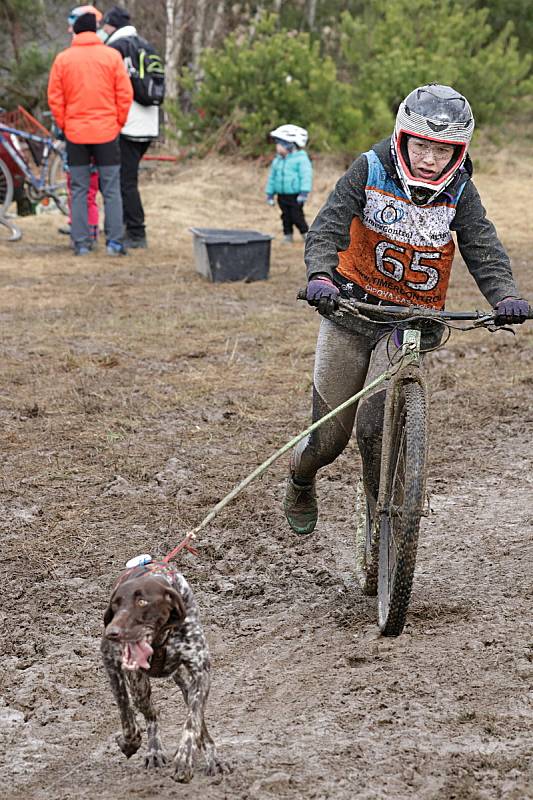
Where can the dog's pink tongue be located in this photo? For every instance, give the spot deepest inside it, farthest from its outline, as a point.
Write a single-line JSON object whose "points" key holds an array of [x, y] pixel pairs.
{"points": [[136, 655]]}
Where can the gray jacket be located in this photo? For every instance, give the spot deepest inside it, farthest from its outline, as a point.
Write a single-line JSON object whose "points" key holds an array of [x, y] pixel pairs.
{"points": [[478, 242]]}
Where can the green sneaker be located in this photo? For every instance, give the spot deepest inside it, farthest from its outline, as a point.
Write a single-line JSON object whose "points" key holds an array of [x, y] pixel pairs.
{"points": [[300, 506]]}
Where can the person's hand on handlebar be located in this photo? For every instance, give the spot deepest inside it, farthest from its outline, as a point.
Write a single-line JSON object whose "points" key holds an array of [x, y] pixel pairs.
{"points": [[511, 311], [322, 293]]}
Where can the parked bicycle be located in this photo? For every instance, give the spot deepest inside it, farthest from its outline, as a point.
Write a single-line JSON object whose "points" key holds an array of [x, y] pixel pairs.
{"points": [[387, 530], [43, 180]]}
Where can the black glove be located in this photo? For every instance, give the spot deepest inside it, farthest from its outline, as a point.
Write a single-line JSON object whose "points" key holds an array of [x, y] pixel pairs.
{"points": [[322, 293], [511, 311]]}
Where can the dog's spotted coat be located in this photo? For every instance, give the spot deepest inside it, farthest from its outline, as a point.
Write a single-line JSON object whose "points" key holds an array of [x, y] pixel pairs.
{"points": [[152, 629]]}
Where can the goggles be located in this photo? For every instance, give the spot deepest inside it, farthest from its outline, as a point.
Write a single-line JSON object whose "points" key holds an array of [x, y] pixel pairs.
{"points": [[440, 151]]}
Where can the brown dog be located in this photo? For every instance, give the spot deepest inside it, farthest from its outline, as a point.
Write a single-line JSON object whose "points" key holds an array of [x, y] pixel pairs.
{"points": [[152, 630]]}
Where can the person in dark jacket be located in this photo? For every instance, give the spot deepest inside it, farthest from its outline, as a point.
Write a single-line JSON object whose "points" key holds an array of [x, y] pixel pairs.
{"points": [[141, 128], [385, 236]]}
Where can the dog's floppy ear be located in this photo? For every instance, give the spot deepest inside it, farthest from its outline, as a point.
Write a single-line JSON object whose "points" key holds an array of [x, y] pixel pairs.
{"points": [[109, 613], [178, 613], [108, 616]]}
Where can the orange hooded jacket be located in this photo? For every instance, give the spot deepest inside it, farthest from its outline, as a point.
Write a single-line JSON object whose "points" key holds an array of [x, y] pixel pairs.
{"points": [[89, 91]]}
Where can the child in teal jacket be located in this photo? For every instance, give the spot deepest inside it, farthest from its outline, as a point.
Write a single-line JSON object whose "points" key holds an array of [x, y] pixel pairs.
{"points": [[290, 178]]}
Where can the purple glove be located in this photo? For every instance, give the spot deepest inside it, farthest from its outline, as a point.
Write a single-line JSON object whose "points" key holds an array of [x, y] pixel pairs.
{"points": [[302, 197], [511, 311], [322, 293], [270, 199]]}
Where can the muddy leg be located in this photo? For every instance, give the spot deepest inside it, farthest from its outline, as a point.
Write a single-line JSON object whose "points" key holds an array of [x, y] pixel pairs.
{"points": [[142, 697], [341, 364], [205, 743], [130, 739], [214, 764], [195, 692], [369, 427], [369, 419]]}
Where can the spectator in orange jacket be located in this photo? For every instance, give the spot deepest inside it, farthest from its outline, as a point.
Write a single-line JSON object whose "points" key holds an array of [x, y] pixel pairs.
{"points": [[90, 94]]}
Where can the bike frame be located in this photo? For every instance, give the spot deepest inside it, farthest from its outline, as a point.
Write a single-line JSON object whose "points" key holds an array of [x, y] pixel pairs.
{"points": [[387, 533], [38, 183]]}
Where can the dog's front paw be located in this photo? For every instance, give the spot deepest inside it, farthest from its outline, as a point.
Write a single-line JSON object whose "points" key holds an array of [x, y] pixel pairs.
{"points": [[183, 772], [218, 767], [155, 759], [129, 746]]}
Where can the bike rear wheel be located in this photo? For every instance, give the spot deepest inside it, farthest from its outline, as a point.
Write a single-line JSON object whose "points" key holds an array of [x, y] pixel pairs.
{"points": [[404, 501], [6, 188]]}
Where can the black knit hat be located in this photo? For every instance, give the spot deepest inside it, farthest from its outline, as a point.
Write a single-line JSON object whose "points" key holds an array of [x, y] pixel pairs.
{"points": [[85, 22], [117, 17]]}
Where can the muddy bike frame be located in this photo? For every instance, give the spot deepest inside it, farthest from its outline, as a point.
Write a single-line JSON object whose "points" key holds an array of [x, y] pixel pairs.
{"points": [[39, 186], [388, 527]]}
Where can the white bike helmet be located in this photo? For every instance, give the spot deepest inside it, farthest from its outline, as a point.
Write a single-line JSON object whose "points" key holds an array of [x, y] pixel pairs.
{"points": [[439, 114], [292, 134]]}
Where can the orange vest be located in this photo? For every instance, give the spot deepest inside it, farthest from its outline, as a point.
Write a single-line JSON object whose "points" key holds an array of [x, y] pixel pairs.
{"points": [[400, 252]]}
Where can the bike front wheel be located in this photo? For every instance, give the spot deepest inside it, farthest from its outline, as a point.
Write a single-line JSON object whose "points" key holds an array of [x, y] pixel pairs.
{"points": [[400, 518]]}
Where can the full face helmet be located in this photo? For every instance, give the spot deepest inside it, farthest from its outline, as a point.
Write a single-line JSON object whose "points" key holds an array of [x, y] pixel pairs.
{"points": [[78, 11], [438, 114], [292, 134]]}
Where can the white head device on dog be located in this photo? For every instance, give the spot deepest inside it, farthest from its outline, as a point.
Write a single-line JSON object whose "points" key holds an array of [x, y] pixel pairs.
{"points": [[139, 561]]}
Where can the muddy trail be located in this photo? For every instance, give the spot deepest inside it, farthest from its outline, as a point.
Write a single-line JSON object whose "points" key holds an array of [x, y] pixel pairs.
{"points": [[134, 396]]}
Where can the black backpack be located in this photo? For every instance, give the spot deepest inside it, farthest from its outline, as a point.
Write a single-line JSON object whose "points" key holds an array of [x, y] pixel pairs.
{"points": [[145, 68]]}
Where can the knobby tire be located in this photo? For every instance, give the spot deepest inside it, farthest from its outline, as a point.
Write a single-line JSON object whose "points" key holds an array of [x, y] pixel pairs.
{"points": [[400, 520]]}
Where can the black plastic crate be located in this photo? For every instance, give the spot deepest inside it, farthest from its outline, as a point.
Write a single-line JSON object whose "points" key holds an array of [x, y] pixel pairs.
{"points": [[231, 255]]}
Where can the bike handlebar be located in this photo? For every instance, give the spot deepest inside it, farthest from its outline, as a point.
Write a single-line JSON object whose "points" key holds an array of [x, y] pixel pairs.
{"points": [[403, 312]]}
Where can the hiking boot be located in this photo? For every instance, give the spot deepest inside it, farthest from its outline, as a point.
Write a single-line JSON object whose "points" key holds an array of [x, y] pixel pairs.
{"points": [[288, 238], [136, 244], [300, 506], [114, 248], [81, 250]]}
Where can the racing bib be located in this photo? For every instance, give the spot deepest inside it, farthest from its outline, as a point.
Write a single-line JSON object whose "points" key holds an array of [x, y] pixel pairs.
{"points": [[399, 251]]}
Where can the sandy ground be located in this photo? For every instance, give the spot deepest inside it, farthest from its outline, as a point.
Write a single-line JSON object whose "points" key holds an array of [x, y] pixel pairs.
{"points": [[134, 396]]}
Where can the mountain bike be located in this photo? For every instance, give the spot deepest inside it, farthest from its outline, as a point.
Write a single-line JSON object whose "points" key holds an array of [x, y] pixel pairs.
{"points": [[46, 179], [387, 530]]}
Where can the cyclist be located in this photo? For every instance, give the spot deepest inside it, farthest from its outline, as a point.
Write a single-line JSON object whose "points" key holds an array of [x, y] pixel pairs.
{"points": [[384, 236]]}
